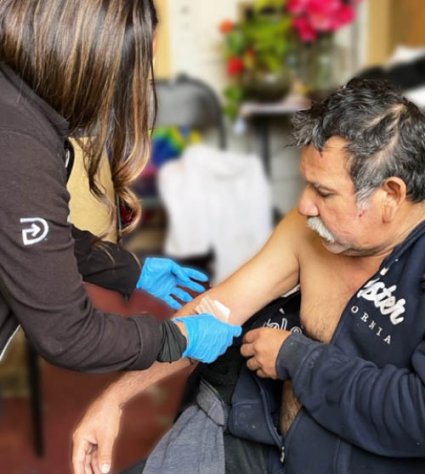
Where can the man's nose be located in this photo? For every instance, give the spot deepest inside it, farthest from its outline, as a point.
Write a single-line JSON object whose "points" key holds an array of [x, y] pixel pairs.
{"points": [[306, 204]]}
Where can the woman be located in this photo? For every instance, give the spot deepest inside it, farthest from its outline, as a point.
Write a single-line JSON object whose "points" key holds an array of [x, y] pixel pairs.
{"points": [[72, 68]]}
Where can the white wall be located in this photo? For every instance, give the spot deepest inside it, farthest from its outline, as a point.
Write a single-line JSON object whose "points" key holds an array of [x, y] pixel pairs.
{"points": [[195, 39]]}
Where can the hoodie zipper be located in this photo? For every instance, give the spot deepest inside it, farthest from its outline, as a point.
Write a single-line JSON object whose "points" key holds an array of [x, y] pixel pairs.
{"points": [[270, 426]]}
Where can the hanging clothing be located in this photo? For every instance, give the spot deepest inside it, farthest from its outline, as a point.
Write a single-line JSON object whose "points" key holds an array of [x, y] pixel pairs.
{"points": [[217, 200]]}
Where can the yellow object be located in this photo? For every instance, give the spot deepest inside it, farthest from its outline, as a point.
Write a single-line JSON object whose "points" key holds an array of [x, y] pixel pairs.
{"points": [[162, 41], [86, 211]]}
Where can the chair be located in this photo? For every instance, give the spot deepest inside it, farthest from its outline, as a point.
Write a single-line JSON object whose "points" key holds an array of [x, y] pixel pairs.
{"points": [[188, 102]]}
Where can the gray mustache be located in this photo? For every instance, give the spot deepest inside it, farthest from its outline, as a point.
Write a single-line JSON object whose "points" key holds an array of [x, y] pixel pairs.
{"points": [[316, 224]]}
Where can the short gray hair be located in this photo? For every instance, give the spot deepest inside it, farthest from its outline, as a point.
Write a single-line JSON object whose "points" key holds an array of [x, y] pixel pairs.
{"points": [[385, 134]]}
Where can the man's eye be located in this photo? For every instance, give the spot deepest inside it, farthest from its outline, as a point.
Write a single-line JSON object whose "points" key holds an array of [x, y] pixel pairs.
{"points": [[323, 194]]}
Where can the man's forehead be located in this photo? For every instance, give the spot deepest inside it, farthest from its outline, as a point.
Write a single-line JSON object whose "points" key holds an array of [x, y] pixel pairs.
{"points": [[324, 166], [334, 147], [335, 144]]}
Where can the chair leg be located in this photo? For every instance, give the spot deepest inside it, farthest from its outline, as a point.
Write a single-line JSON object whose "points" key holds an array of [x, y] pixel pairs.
{"points": [[34, 379]]}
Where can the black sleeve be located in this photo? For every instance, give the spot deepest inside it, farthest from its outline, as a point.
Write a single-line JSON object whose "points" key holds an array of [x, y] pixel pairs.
{"points": [[39, 277], [105, 264]]}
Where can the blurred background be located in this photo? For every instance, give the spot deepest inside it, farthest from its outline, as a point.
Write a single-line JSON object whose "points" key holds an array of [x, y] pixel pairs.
{"points": [[230, 74]]}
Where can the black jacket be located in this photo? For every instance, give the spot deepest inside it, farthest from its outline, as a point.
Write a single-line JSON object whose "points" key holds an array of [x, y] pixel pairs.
{"points": [[41, 288]]}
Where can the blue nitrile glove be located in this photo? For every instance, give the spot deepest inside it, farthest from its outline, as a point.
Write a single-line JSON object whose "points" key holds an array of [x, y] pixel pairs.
{"points": [[162, 277], [207, 336]]}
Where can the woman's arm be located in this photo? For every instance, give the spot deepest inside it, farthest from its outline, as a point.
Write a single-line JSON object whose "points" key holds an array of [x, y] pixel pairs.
{"points": [[105, 264]]}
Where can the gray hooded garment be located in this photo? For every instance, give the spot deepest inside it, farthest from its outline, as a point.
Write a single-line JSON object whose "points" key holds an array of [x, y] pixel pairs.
{"points": [[195, 442]]}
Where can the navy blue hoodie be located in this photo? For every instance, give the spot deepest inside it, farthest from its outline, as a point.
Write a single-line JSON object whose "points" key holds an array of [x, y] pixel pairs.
{"points": [[363, 395]]}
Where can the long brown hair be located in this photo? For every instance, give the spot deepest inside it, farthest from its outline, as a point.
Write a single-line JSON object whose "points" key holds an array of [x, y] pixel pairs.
{"points": [[91, 60]]}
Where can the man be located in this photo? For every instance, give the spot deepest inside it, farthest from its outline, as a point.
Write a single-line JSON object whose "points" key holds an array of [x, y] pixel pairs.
{"points": [[354, 390]]}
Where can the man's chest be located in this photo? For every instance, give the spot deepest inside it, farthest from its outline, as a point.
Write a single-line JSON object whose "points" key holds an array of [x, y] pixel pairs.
{"points": [[378, 313], [326, 291]]}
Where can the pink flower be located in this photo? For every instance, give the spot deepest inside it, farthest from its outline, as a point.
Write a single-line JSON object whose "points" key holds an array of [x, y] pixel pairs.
{"points": [[306, 32], [319, 16], [297, 7], [321, 13], [343, 16]]}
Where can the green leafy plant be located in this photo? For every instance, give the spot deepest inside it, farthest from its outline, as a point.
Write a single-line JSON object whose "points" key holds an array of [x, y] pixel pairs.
{"points": [[259, 44], [257, 49]]}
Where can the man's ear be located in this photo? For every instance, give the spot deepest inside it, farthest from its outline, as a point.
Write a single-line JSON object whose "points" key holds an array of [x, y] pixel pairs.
{"points": [[394, 195]]}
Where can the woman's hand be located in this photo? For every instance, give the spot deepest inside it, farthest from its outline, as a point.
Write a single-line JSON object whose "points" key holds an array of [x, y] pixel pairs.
{"points": [[164, 279], [207, 337]]}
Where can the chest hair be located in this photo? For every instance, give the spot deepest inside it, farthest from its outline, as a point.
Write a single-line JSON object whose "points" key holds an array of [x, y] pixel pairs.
{"points": [[325, 294]]}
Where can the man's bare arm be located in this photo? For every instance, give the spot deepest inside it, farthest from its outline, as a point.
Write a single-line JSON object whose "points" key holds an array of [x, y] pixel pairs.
{"points": [[269, 274], [95, 435]]}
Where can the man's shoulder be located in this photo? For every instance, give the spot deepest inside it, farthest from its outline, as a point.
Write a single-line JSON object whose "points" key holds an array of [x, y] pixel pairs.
{"points": [[294, 227], [303, 242]]}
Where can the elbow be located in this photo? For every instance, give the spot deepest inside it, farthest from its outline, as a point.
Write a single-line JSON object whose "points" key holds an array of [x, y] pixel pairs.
{"points": [[66, 355], [60, 355]]}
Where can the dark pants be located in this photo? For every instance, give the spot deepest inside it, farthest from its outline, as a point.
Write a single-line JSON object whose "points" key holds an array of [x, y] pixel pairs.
{"points": [[242, 457]]}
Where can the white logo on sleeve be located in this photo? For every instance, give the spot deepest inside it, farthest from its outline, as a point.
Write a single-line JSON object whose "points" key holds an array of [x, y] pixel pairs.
{"points": [[35, 230]]}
